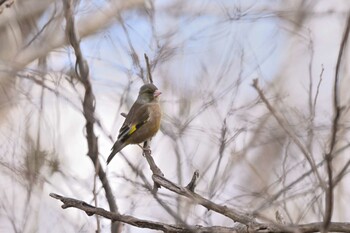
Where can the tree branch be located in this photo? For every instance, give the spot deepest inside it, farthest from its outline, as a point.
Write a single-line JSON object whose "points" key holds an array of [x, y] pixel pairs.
{"points": [[224, 210], [82, 72], [171, 228], [141, 223]]}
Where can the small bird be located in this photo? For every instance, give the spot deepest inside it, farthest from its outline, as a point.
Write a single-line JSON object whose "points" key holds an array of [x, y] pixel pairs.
{"points": [[142, 122]]}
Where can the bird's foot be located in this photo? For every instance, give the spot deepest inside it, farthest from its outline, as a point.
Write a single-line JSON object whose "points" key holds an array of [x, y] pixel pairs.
{"points": [[146, 150]]}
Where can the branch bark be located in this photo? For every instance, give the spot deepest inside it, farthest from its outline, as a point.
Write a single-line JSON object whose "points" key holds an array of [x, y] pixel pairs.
{"points": [[141, 223]]}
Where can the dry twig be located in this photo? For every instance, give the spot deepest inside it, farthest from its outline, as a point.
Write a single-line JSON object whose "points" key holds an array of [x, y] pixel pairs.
{"points": [[285, 126]]}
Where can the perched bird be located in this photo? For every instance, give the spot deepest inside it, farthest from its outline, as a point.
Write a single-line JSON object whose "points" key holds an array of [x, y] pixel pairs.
{"points": [[142, 122]]}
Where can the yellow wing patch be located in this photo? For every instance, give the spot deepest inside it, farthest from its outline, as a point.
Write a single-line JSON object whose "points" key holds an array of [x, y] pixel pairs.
{"points": [[132, 129]]}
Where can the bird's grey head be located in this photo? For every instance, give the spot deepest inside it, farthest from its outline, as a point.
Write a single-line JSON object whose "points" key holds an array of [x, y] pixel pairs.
{"points": [[148, 92]]}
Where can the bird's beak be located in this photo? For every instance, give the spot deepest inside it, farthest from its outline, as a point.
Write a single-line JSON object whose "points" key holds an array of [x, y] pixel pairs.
{"points": [[157, 93]]}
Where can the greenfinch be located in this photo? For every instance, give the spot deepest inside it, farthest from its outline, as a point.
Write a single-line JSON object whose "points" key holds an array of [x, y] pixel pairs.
{"points": [[142, 122]]}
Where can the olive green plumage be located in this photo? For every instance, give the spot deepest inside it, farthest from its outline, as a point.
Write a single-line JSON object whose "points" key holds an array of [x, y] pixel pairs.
{"points": [[142, 122]]}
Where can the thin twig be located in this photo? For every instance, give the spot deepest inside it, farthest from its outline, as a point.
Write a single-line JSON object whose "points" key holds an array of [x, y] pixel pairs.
{"points": [[302, 177], [317, 90], [149, 74], [285, 126]]}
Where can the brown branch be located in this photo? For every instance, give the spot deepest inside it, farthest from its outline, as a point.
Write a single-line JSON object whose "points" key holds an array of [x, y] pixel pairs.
{"points": [[82, 72], [154, 168], [335, 125], [221, 209], [171, 228], [149, 187], [141, 223], [284, 124]]}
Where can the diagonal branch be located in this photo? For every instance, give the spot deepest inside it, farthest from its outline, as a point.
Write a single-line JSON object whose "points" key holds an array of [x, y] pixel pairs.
{"points": [[284, 124], [221, 209]]}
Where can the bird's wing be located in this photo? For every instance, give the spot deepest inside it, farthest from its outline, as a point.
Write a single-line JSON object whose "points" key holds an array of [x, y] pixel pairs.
{"points": [[137, 105], [134, 120]]}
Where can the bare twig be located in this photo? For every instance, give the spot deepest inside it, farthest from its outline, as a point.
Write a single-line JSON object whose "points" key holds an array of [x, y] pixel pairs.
{"points": [[132, 51], [149, 74], [335, 125], [317, 91], [285, 126], [302, 177], [82, 72]]}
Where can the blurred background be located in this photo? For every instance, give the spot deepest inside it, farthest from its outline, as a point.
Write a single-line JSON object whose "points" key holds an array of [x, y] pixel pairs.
{"points": [[204, 55]]}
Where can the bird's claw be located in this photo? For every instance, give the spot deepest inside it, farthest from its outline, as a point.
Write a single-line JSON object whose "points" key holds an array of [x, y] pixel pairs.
{"points": [[146, 150]]}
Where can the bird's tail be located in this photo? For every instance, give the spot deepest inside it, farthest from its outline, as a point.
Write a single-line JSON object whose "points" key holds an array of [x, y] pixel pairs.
{"points": [[118, 146]]}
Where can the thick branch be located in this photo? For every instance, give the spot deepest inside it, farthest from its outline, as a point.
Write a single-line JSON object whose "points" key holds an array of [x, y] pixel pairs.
{"points": [[171, 228], [141, 223]]}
